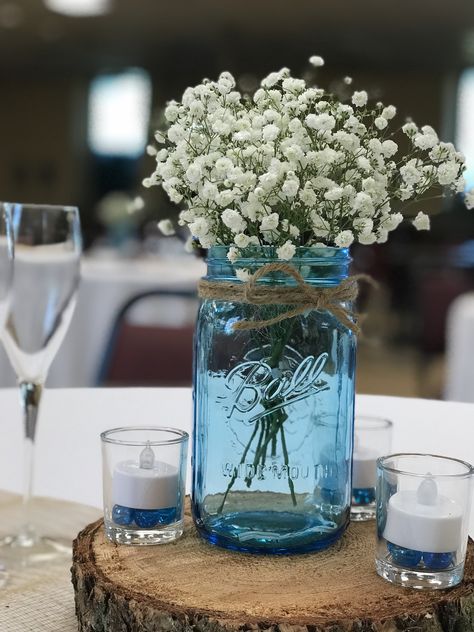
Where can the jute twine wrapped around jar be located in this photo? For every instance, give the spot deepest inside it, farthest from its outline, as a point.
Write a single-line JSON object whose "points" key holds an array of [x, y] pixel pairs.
{"points": [[301, 297]]}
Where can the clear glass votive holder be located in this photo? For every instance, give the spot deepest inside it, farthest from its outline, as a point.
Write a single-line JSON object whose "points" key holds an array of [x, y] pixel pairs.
{"points": [[423, 508], [372, 439], [144, 478]]}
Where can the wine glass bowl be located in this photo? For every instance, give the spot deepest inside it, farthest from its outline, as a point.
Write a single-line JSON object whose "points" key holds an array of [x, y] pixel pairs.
{"points": [[46, 273], [6, 275], [6, 263], [46, 277]]}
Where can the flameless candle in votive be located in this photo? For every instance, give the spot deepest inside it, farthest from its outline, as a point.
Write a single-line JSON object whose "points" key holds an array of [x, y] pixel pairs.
{"points": [[423, 505], [144, 484], [372, 439]]}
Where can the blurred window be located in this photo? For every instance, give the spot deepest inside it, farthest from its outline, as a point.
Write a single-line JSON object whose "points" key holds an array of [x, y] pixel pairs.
{"points": [[119, 113], [78, 8], [465, 122]]}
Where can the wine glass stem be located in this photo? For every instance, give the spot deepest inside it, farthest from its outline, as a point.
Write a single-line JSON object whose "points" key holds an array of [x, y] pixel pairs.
{"points": [[30, 394]]}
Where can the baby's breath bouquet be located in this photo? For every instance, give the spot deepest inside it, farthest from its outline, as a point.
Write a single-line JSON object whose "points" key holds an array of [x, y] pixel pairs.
{"points": [[283, 175], [294, 166]]}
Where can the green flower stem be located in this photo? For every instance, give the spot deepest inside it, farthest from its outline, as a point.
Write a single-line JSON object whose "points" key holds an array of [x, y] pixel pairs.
{"points": [[260, 440], [234, 475], [287, 463], [280, 346], [274, 446], [269, 426], [263, 431]]}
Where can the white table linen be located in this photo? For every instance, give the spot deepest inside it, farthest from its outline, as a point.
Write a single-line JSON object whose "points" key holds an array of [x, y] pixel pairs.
{"points": [[40, 597], [106, 285], [459, 384], [68, 463]]}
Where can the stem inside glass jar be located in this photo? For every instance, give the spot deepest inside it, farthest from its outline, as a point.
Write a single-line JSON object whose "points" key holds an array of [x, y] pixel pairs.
{"points": [[270, 426]]}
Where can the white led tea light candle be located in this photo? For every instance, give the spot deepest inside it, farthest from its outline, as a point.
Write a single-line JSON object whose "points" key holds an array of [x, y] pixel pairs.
{"points": [[372, 438], [424, 520], [146, 484], [364, 468], [423, 507], [144, 472]]}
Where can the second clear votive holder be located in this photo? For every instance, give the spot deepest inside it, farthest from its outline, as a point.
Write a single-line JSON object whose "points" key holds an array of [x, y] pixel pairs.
{"points": [[144, 478], [423, 508], [372, 439]]}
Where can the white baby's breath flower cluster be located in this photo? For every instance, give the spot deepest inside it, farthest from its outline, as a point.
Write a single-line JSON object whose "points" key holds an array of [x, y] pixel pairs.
{"points": [[293, 166]]}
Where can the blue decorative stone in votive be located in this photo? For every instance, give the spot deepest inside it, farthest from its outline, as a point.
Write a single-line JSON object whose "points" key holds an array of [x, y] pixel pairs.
{"points": [[167, 515], [438, 561], [363, 495], [149, 518], [407, 558], [122, 516]]}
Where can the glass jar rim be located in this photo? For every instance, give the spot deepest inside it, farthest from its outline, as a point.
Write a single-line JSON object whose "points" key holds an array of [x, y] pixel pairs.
{"points": [[381, 462], [179, 435], [383, 422], [317, 252]]}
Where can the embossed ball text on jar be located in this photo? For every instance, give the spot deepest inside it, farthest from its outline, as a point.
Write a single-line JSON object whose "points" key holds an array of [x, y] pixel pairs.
{"points": [[274, 409]]}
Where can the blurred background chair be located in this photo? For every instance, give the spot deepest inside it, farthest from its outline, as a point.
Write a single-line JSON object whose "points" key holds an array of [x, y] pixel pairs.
{"points": [[459, 385], [437, 283], [437, 291], [151, 342]]}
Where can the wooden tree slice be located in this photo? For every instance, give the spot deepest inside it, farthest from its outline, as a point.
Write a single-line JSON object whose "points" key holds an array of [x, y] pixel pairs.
{"points": [[191, 585]]}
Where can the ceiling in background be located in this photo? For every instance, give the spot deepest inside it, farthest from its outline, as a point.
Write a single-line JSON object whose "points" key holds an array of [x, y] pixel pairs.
{"points": [[179, 36]]}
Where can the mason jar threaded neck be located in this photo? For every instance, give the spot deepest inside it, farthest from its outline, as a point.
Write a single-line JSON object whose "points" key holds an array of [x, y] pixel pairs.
{"points": [[325, 266]]}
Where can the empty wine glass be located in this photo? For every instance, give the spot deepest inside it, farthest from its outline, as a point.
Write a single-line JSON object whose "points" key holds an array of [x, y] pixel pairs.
{"points": [[6, 272], [46, 272]]}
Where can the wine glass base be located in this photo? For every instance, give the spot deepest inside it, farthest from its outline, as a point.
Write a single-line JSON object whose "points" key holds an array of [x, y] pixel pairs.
{"points": [[17, 552], [3, 575]]}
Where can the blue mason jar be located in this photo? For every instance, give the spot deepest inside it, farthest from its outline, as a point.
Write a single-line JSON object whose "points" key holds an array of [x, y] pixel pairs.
{"points": [[273, 413]]}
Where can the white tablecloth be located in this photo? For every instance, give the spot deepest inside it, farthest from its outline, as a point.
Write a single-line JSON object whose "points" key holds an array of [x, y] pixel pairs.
{"points": [[106, 285], [40, 598], [459, 384], [69, 467], [68, 446]]}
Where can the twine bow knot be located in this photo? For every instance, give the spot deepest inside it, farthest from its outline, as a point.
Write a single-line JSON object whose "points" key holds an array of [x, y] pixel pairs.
{"points": [[303, 296]]}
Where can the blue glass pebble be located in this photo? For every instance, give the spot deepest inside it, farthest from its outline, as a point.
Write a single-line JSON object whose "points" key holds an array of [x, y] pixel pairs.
{"points": [[363, 495], [408, 558], [167, 516], [438, 561], [122, 516], [146, 518], [149, 518]]}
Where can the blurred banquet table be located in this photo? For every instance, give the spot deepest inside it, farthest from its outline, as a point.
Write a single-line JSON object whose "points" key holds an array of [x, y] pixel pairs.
{"points": [[106, 285], [459, 384], [68, 467]]}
